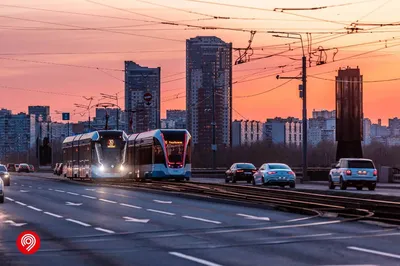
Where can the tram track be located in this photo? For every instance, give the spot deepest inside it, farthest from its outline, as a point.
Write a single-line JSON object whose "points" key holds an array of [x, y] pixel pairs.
{"points": [[356, 208]]}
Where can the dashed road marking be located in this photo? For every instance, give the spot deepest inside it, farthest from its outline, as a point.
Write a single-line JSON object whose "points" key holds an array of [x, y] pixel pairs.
{"points": [[78, 222], [106, 200], [89, 197], [162, 201], [33, 208], [20, 203], [72, 193], [162, 212], [53, 214], [130, 206], [201, 219], [104, 230], [10, 199], [62, 191], [375, 252], [50, 189], [191, 258]]}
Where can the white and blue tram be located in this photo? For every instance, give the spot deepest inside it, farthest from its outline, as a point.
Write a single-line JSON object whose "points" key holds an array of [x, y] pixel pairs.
{"points": [[160, 154], [97, 154]]}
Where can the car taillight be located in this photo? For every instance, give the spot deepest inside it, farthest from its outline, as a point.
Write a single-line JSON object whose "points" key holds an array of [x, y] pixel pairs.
{"points": [[253, 171], [291, 173], [348, 172], [239, 171], [271, 173], [375, 172]]}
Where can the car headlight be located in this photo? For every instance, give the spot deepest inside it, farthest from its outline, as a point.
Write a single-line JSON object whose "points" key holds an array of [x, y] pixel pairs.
{"points": [[102, 168], [6, 175], [121, 168]]}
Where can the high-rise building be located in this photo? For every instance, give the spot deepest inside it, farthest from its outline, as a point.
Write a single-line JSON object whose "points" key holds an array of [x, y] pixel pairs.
{"points": [[209, 91], [324, 114], [394, 126], [176, 119], [143, 114], [367, 131], [42, 113], [17, 136], [286, 131], [245, 132]]}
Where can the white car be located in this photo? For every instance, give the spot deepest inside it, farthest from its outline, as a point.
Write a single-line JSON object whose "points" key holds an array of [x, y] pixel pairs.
{"points": [[1, 191]]}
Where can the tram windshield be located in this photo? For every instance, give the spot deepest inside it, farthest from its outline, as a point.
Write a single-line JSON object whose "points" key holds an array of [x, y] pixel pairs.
{"points": [[175, 146], [110, 151]]}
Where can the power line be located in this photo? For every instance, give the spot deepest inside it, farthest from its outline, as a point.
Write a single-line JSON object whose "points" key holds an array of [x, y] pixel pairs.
{"points": [[92, 53], [40, 91], [364, 81]]}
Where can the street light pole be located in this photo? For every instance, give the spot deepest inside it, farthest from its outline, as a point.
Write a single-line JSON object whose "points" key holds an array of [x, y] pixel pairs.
{"points": [[303, 95]]}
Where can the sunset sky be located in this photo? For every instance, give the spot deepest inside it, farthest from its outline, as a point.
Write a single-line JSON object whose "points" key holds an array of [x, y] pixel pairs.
{"points": [[33, 42]]}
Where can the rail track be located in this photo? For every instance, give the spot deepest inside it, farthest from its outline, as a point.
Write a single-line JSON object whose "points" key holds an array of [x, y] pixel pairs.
{"points": [[318, 203]]}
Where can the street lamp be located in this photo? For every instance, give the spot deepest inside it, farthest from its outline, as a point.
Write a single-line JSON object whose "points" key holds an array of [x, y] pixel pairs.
{"points": [[303, 90]]}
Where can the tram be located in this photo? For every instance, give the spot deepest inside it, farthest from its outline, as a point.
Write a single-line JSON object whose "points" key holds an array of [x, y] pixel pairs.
{"points": [[160, 154], [97, 154]]}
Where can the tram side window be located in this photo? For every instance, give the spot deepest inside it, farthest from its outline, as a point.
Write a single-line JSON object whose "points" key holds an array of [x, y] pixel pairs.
{"points": [[159, 157], [145, 155], [188, 158], [75, 154]]}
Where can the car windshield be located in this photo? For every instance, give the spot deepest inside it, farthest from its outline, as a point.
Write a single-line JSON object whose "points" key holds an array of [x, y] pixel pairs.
{"points": [[278, 166], [3, 168], [360, 164], [245, 166]]}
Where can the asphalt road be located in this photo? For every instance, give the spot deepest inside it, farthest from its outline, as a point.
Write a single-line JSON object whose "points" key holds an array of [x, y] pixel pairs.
{"points": [[395, 191], [86, 225]]}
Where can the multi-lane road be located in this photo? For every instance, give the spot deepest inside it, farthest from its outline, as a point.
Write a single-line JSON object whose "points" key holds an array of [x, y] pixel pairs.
{"points": [[88, 225]]}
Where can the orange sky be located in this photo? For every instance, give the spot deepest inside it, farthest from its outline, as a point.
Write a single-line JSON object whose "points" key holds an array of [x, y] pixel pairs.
{"points": [[22, 33]]}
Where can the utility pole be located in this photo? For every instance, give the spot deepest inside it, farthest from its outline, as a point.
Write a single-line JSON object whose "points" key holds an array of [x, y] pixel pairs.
{"points": [[303, 95], [214, 146]]}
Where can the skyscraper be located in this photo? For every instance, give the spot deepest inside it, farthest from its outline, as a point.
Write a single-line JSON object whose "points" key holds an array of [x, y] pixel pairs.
{"points": [[143, 115], [209, 91]]}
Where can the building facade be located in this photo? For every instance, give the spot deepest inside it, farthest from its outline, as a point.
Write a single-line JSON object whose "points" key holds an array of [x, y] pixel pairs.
{"points": [[41, 113], [142, 115], [245, 132], [209, 91], [322, 127], [176, 119], [286, 131], [17, 136]]}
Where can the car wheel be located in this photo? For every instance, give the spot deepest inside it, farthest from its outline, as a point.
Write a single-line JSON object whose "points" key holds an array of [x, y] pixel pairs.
{"points": [[293, 185], [343, 185], [253, 181], [371, 187], [233, 179], [8, 183], [248, 181], [2, 199], [226, 179], [359, 188], [331, 184]]}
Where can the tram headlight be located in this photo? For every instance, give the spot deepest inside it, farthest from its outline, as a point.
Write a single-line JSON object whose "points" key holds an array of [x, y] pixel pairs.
{"points": [[121, 168], [102, 168]]}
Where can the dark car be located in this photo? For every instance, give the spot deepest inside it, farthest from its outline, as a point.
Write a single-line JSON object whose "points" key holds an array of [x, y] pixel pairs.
{"points": [[11, 167], [240, 172], [4, 175], [23, 168]]}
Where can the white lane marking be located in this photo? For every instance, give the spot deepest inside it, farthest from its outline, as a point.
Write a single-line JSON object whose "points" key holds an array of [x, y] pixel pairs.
{"points": [[130, 206], [24, 191], [30, 186], [191, 258], [72, 193], [62, 191], [106, 200], [104, 230], [72, 204], [130, 219], [251, 217], [54, 215], [78, 222], [89, 197], [201, 219], [163, 202], [376, 252], [33, 208], [90, 189], [50, 189], [10, 199], [102, 192], [157, 211], [20, 203], [14, 223], [300, 219]]}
